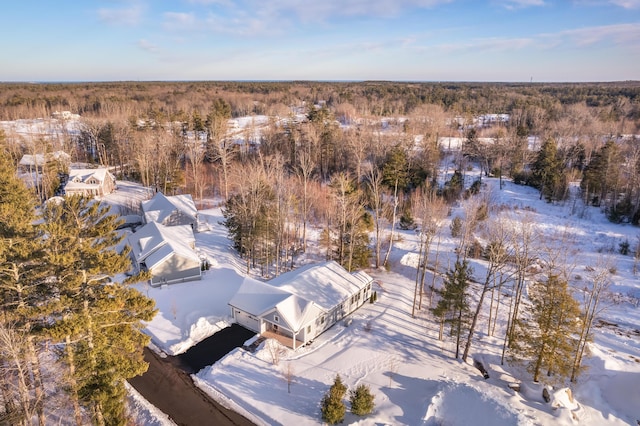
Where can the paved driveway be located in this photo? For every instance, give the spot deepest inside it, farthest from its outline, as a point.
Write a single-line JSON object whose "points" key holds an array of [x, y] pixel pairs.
{"points": [[167, 383], [215, 347]]}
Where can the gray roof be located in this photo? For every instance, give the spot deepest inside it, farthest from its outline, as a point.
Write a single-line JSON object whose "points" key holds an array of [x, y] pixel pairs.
{"points": [[326, 284], [154, 243], [158, 208], [300, 294]]}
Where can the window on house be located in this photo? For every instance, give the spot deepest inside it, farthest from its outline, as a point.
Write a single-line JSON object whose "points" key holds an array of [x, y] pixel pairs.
{"points": [[308, 329], [276, 318], [322, 319]]}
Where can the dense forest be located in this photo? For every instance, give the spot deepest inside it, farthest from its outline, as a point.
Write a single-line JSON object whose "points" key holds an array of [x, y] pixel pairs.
{"points": [[327, 147], [612, 101]]}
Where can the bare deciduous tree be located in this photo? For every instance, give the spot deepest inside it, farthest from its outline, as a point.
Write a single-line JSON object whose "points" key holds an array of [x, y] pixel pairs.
{"points": [[497, 253], [431, 211], [593, 293]]}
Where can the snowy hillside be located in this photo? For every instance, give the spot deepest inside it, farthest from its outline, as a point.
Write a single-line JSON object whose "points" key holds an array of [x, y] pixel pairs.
{"points": [[413, 375]]}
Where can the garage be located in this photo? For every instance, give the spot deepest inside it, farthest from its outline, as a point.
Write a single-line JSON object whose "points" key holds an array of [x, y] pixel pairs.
{"points": [[247, 321]]}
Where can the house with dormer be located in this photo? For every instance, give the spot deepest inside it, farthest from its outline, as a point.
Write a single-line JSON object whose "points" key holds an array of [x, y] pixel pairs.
{"points": [[167, 252], [171, 210], [298, 306], [90, 182]]}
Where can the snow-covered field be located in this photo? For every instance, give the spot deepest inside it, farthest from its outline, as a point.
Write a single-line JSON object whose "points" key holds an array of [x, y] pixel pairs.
{"points": [[413, 375]]}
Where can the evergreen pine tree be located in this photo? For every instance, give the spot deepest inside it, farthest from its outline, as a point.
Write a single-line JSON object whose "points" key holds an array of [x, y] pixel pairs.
{"points": [[547, 339], [23, 289], [333, 408], [361, 401], [548, 172], [600, 178], [98, 320], [395, 176]]}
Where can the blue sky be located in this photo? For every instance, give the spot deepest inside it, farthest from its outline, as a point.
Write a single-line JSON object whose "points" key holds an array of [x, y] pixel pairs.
{"points": [[402, 40]]}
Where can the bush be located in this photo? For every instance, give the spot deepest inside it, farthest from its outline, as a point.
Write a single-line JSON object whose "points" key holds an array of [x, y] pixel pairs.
{"points": [[521, 178], [475, 187], [361, 401], [406, 221], [456, 227], [475, 250], [624, 247], [483, 212]]}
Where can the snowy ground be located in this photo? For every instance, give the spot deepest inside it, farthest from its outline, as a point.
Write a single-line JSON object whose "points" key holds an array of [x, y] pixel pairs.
{"points": [[412, 374]]}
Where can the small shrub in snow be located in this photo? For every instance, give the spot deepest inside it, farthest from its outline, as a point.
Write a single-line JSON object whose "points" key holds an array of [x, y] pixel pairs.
{"points": [[475, 249], [361, 401], [624, 248], [406, 221], [456, 227], [275, 350]]}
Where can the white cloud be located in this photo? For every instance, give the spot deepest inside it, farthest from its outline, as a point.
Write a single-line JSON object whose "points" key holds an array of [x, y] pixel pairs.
{"points": [[489, 44], [181, 21], [627, 4], [259, 17], [209, 2], [321, 10], [519, 4], [618, 34], [242, 25], [622, 35], [128, 16], [148, 46]]}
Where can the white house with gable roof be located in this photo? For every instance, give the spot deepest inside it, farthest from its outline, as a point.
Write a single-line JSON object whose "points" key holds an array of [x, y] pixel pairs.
{"points": [[171, 210], [90, 182], [168, 252], [298, 306]]}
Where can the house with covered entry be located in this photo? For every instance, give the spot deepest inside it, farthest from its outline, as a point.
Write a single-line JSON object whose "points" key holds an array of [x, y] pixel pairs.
{"points": [[167, 252], [298, 306], [171, 210], [90, 182]]}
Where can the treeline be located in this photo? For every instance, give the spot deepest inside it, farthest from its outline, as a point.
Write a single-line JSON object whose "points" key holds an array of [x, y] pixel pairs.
{"points": [[21, 100]]}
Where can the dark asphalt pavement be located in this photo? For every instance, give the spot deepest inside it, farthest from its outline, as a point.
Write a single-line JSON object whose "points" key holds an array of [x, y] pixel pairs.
{"points": [[167, 383]]}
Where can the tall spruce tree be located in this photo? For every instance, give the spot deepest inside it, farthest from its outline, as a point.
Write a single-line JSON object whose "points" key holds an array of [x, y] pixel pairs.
{"points": [[99, 321], [547, 338], [22, 290], [548, 172], [600, 181], [453, 306]]}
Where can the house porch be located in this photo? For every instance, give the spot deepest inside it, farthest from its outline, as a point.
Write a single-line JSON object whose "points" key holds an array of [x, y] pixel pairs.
{"points": [[284, 340]]}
